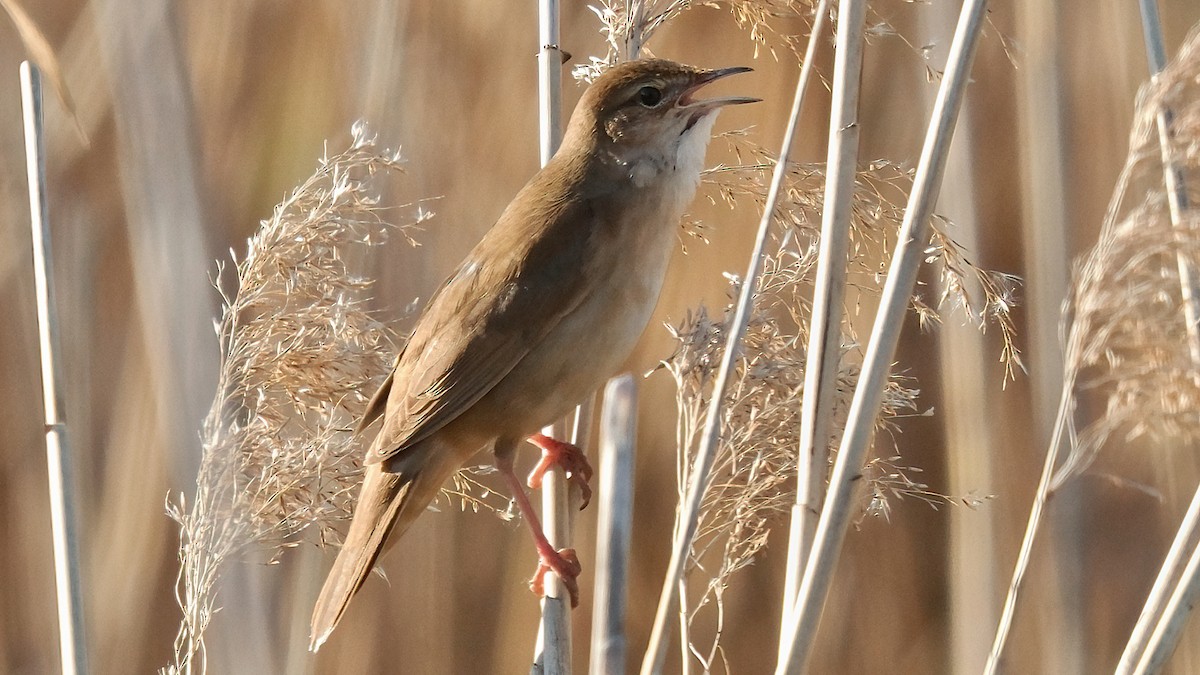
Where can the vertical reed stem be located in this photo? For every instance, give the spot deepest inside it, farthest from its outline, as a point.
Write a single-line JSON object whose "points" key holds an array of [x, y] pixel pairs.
{"points": [[614, 527], [810, 472], [62, 508], [902, 276], [553, 650], [688, 517]]}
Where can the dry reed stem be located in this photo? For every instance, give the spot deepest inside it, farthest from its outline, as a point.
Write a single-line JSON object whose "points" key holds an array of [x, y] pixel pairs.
{"points": [[871, 387], [552, 647], [614, 526], [64, 527], [751, 484], [979, 296]]}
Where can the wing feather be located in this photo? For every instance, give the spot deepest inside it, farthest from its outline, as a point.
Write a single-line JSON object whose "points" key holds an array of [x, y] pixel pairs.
{"points": [[514, 288]]}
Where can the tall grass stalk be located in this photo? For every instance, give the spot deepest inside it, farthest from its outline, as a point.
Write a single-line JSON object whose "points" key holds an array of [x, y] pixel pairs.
{"points": [[552, 651], [1153, 637], [901, 278], [689, 515], [1134, 659], [810, 474], [614, 526], [1174, 617], [825, 333], [64, 531], [1043, 135]]}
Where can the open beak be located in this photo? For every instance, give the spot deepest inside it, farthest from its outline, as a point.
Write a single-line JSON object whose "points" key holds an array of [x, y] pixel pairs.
{"points": [[708, 77]]}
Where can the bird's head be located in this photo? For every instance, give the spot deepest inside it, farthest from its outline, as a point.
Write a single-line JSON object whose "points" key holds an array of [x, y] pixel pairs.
{"points": [[648, 108]]}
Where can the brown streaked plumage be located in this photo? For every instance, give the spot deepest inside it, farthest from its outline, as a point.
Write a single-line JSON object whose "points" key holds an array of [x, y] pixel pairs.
{"points": [[544, 309]]}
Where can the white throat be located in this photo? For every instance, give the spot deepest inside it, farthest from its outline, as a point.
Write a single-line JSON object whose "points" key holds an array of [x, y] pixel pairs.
{"points": [[678, 164]]}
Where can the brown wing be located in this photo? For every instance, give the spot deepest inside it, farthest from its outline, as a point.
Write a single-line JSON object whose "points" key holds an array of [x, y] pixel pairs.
{"points": [[378, 403], [521, 280]]}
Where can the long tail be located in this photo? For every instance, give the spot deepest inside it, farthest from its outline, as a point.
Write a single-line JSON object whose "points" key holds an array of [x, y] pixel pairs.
{"points": [[388, 503]]}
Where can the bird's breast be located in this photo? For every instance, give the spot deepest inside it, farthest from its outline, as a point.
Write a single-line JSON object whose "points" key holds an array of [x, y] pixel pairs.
{"points": [[623, 275]]}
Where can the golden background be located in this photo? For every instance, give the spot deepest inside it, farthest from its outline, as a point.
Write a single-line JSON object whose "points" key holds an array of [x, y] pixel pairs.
{"points": [[203, 115]]}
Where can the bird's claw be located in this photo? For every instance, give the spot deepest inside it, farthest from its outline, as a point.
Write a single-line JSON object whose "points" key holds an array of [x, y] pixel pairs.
{"points": [[567, 456], [566, 565]]}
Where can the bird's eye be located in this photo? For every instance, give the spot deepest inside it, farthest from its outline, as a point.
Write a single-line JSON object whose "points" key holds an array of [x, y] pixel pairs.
{"points": [[649, 96]]}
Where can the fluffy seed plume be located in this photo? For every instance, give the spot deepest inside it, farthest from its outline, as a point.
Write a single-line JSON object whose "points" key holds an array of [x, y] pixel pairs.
{"points": [[1128, 343], [297, 347]]}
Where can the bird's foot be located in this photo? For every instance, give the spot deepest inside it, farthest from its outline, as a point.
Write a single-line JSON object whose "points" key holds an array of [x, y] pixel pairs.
{"points": [[565, 564], [572, 460]]}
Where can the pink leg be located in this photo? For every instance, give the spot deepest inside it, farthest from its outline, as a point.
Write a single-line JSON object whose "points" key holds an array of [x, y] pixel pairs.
{"points": [[569, 457], [563, 561]]}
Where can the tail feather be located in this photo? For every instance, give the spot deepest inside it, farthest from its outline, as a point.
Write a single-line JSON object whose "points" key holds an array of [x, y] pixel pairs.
{"points": [[386, 501]]}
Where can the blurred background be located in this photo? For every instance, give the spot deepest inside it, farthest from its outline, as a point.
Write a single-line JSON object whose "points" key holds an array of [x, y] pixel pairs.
{"points": [[202, 116]]}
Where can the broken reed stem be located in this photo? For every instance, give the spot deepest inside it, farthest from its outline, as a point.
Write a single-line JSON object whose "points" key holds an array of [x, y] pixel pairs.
{"points": [[64, 532], [1153, 638], [809, 465], [688, 518], [901, 279], [614, 526]]}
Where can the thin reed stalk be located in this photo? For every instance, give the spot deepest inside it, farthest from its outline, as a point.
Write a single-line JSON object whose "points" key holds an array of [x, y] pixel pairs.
{"points": [[901, 279], [1153, 637], [552, 651], [1041, 495], [1159, 597], [812, 471], [688, 518], [64, 531], [1174, 617], [825, 332], [1045, 251], [614, 526]]}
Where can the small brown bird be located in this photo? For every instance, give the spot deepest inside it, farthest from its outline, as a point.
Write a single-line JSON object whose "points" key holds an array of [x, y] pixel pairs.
{"points": [[545, 308]]}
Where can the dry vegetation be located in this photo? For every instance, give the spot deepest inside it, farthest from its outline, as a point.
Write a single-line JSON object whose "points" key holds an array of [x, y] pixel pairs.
{"points": [[297, 345], [312, 312]]}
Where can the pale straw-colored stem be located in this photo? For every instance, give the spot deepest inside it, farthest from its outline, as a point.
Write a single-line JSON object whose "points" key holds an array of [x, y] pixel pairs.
{"points": [[1177, 200], [614, 526], [64, 532], [552, 653], [1160, 593], [688, 518], [1174, 618], [810, 473], [1041, 494], [1045, 250], [549, 81], [902, 275], [1165, 612], [825, 328]]}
